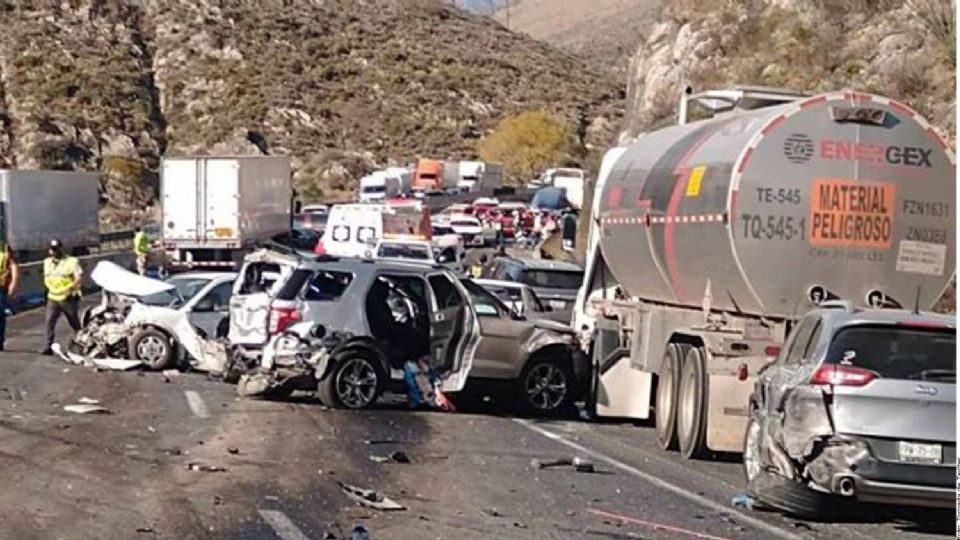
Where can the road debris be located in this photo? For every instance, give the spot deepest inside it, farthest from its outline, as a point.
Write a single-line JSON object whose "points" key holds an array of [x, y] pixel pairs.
{"points": [[88, 401], [198, 467], [169, 375], [115, 364], [233, 450], [359, 533], [149, 530], [742, 501], [396, 457], [381, 441], [109, 364], [86, 408], [370, 498], [579, 464]]}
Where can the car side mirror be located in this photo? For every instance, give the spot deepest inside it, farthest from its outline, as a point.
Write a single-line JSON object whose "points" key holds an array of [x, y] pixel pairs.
{"points": [[205, 305], [318, 331]]}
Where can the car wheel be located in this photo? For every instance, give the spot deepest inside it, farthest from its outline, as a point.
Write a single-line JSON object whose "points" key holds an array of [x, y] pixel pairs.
{"points": [[152, 347], [355, 383], [691, 405], [794, 498], [668, 386], [546, 385]]}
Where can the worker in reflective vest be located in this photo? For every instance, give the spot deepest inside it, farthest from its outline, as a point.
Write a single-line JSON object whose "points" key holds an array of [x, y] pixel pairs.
{"points": [[9, 278], [61, 278], [141, 249]]}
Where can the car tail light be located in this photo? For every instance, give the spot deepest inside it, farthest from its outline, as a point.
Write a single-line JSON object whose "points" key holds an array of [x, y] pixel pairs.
{"points": [[834, 375], [771, 350], [282, 318], [319, 249]]}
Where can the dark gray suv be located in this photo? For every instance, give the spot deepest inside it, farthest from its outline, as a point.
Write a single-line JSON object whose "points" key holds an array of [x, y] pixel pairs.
{"points": [[859, 405], [556, 283]]}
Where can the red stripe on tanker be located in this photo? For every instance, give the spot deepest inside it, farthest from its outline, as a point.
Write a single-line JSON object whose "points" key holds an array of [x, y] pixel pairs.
{"points": [[808, 200]]}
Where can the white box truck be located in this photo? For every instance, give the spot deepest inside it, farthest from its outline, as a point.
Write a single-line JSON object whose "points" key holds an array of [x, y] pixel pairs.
{"points": [[40, 205], [380, 185], [215, 208]]}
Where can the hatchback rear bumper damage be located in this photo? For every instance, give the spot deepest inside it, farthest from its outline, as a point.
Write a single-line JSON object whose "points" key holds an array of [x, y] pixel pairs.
{"points": [[851, 467]]}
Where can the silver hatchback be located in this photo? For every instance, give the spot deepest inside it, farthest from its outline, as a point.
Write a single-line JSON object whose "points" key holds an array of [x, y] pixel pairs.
{"points": [[858, 405]]}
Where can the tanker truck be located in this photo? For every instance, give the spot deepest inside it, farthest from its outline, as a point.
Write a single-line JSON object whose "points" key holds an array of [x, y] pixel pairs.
{"points": [[709, 239]]}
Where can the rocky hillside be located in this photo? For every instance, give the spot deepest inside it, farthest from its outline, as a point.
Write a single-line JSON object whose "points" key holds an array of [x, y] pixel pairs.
{"points": [[606, 32], [901, 49], [340, 85]]}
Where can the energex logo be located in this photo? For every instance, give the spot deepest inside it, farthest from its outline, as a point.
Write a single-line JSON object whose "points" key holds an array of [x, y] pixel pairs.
{"points": [[912, 156], [798, 148]]}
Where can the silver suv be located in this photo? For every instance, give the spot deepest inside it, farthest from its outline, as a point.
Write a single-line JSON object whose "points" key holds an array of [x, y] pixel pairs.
{"points": [[859, 405], [392, 311]]}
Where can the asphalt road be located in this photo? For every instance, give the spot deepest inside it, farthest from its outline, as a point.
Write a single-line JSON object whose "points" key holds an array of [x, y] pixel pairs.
{"points": [[127, 474]]}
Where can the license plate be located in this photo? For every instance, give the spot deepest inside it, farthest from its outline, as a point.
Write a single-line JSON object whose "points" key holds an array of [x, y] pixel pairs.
{"points": [[223, 232], [921, 453], [557, 304]]}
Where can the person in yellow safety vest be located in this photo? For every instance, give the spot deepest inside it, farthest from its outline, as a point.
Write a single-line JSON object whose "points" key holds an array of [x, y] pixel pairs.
{"points": [[141, 248], [476, 270], [61, 278], [9, 278]]}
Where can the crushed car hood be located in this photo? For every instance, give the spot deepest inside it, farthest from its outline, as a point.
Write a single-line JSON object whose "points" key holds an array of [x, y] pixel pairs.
{"points": [[114, 278]]}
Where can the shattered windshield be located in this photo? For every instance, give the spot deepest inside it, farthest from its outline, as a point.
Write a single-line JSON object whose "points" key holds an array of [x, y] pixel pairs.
{"points": [[897, 352], [184, 289]]}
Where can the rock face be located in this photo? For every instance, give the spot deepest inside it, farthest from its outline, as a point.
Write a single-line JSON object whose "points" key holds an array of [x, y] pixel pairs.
{"points": [[898, 49], [342, 86]]}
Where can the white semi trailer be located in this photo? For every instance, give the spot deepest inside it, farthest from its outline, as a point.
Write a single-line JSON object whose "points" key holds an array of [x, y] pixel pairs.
{"points": [[216, 208], [36, 206], [708, 239]]}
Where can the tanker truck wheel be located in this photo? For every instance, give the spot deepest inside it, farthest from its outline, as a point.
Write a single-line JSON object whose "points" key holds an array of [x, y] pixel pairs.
{"points": [[668, 386], [692, 405]]}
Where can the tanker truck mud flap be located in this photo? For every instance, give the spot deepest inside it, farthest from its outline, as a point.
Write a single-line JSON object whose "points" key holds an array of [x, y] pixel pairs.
{"points": [[621, 391], [727, 401]]}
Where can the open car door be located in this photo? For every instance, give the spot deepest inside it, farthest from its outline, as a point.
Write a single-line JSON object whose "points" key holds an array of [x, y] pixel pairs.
{"points": [[253, 294], [454, 332]]}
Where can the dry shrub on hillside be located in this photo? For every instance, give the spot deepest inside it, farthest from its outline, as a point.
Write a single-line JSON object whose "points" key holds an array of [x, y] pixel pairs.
{"points": [[526, 143]]}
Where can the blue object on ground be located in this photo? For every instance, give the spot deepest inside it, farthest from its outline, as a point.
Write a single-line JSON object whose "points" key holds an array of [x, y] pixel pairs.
{"points": [[742, 501]]}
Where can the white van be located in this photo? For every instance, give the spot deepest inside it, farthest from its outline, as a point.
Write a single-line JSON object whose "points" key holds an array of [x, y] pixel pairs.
{"points": [[351, 228]]}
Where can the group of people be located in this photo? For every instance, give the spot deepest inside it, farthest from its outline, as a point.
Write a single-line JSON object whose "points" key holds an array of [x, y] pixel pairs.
{"points": [[62, 282], [525, 236]]}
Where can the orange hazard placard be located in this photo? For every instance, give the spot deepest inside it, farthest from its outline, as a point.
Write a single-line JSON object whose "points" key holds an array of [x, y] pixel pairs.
{"points": [[852, 213]]}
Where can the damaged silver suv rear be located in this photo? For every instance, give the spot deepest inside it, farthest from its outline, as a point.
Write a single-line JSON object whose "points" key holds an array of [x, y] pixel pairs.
{"points": [[859, 405]]}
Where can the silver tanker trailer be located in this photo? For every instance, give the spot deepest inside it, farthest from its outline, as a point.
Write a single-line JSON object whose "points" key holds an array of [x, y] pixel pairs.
{"points": [[709, 239]]}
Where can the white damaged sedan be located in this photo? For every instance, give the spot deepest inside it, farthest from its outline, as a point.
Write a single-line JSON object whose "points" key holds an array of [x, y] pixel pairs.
{"points": [[158, 322]]}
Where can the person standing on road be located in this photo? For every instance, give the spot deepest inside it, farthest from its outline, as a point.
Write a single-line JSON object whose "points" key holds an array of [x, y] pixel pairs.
{"points": [[498, 232], [9, 278], [141, 249], [61, 278]]}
